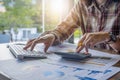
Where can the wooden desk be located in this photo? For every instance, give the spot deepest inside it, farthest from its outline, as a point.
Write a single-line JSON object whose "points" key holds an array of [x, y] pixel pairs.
{"points": [[5, 55]]}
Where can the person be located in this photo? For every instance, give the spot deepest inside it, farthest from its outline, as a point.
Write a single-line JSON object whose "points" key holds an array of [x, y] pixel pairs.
{"points": [[99, 21]]}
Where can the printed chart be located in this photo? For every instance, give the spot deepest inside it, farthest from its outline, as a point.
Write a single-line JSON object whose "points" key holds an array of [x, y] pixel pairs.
{"points": [[39, 70]]}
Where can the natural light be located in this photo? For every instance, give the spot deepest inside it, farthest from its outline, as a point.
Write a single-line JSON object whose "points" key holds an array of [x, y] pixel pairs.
{"points": [[57, 6], [2, 8]]}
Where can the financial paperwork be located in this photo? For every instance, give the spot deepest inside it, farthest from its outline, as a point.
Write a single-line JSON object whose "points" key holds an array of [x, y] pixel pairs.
{"points": [[100, 61], [39, 70]]}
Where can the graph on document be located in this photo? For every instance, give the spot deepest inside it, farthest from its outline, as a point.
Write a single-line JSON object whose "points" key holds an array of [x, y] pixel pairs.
{"points": [[58, 72]]}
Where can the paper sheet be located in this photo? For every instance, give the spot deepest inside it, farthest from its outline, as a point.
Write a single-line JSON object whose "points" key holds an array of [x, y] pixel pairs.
{"points": [[39, 70], [101, 60]]}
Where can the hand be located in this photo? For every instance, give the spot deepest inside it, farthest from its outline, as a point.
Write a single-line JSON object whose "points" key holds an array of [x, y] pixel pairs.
{"points": [[90, 39], [47, 39]]}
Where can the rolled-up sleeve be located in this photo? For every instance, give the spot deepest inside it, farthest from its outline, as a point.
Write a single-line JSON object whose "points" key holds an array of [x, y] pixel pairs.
{"points": [[69, 24]]}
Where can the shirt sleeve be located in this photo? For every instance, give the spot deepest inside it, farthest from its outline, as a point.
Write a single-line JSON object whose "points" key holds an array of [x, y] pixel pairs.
{"points": [[69, 24], [116, 26], [118, 20]]}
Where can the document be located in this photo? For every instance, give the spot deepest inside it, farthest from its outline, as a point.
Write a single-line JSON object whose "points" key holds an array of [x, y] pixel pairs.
{"points": [[99, 67], [100, 60], [39, 70]]}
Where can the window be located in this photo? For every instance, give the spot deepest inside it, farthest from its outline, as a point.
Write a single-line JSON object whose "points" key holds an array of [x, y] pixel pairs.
{"points": [[40, 14]]}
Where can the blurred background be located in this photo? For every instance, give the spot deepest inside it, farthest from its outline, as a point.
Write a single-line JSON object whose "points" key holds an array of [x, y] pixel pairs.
{"points": [[21, 20]]}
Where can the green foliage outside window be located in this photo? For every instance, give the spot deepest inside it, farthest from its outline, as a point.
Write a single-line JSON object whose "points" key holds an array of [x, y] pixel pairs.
{"points": [[20, 13]]}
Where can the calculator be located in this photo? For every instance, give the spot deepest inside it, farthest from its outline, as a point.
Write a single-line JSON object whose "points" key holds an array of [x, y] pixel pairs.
{"points": [[73, 55]]}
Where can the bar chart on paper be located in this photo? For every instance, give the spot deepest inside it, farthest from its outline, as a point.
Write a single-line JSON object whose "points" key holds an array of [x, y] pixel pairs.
{"points": [[40, 70], [98, 61]]}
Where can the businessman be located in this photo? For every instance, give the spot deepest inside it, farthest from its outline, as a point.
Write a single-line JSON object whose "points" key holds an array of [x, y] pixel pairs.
{"points": [[99, 21]]}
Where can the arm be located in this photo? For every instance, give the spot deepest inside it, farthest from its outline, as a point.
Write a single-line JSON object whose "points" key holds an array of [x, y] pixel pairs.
{"points": [[61, 32], [90, 39], [116, 45], [69, 24]]}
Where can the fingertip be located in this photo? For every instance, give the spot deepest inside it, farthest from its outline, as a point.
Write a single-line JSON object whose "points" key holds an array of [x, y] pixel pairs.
{"points": [[77, 47], [86, 49], [77, 50], [45, 50], [31, 49], [80, 48], [24, 48], [86, 53]]}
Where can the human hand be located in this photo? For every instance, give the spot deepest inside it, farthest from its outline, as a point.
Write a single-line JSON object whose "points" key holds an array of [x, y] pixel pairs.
{"points": [[47, 39], [90, 39]]}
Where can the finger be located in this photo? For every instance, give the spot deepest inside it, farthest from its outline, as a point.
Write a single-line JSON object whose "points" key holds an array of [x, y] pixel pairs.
{"points": [[79, 44], [40, 40], [47, 45], [30, 41], [28, 44], [81, 41], [86, 41], [86, 50], [79, 49], [33, 44], [91, 42]]}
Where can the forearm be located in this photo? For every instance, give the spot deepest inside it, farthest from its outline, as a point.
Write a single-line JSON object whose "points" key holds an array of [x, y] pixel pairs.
{"points": [[63, 32], [69, 24]]}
